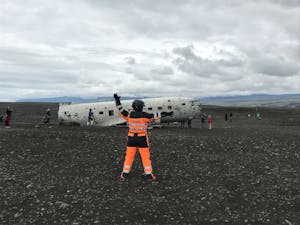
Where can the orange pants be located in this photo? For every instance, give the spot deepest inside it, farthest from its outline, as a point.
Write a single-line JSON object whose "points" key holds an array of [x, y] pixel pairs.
{"points": [[129, 158]]}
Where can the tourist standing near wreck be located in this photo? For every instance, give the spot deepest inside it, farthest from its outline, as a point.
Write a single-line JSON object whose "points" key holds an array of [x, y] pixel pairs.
{"points": [[209, 121], [8, 117]]}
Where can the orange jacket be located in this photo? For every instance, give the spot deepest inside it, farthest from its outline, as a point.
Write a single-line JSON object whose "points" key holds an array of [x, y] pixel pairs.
{"points": [[137, 121]]}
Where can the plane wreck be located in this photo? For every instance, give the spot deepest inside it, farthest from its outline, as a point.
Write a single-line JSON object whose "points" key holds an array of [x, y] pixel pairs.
{"points": [[106, 113]]}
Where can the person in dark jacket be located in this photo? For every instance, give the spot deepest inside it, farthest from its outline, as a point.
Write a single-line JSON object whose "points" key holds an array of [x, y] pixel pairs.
{"points": [[91, 118], [226, 117], [46, 119], [8, 117], [230, 117], [202, 121]]}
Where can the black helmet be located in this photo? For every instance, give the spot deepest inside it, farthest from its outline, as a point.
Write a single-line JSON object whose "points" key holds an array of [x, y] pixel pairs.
{"points": [[138, 105]]}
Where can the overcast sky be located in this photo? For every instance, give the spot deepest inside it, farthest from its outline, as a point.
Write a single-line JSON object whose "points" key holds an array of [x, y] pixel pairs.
{"points": [[91, 48]]}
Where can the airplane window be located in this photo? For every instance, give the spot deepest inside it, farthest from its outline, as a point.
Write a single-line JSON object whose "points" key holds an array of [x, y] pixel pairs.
{"points": [[100, 113], [183, 103], [169, 107], [150, 108], [159, 108], [111, 112]]}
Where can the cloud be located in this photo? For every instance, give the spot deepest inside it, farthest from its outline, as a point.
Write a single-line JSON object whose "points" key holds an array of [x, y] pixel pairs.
{"points": [[143, 72], [135, 47], [162, 70], [275, 66], [193, 64], [130, 60]]}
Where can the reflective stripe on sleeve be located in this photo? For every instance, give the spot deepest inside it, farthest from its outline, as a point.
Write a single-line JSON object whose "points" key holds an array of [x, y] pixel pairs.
{"points": [[137, 124]]}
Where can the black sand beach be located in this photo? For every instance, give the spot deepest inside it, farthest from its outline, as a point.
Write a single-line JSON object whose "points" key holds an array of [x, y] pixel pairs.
{"points": [[240, 172]]}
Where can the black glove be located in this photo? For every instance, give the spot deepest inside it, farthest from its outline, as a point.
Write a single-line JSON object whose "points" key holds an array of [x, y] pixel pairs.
{"points": [[117, 99], [164, 114]]}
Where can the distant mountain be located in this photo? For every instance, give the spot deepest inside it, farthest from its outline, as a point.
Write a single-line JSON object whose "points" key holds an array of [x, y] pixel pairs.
{"points": [[256, 100], [261, 100]]}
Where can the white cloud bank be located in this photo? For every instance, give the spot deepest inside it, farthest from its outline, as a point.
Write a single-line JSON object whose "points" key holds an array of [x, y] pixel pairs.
{"points": [[160, 48]]}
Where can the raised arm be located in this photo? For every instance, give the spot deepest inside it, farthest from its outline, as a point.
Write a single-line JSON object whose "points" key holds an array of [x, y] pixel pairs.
{"points": [[122, 111], [117, 99]]}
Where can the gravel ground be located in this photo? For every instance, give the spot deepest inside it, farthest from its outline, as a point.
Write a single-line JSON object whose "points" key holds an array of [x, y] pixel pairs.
{"points": [[243, 172]]}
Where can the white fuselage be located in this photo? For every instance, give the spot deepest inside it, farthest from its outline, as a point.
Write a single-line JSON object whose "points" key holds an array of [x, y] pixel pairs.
{"points": [[106, 113]]}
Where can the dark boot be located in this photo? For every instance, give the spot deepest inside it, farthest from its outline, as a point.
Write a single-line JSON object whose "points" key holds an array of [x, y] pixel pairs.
{"points": [[149, 177], [124, 176]]}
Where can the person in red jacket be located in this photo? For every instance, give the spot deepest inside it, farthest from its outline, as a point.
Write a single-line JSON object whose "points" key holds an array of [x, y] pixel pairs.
{"points": [[209, 121], [137, 137]]}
